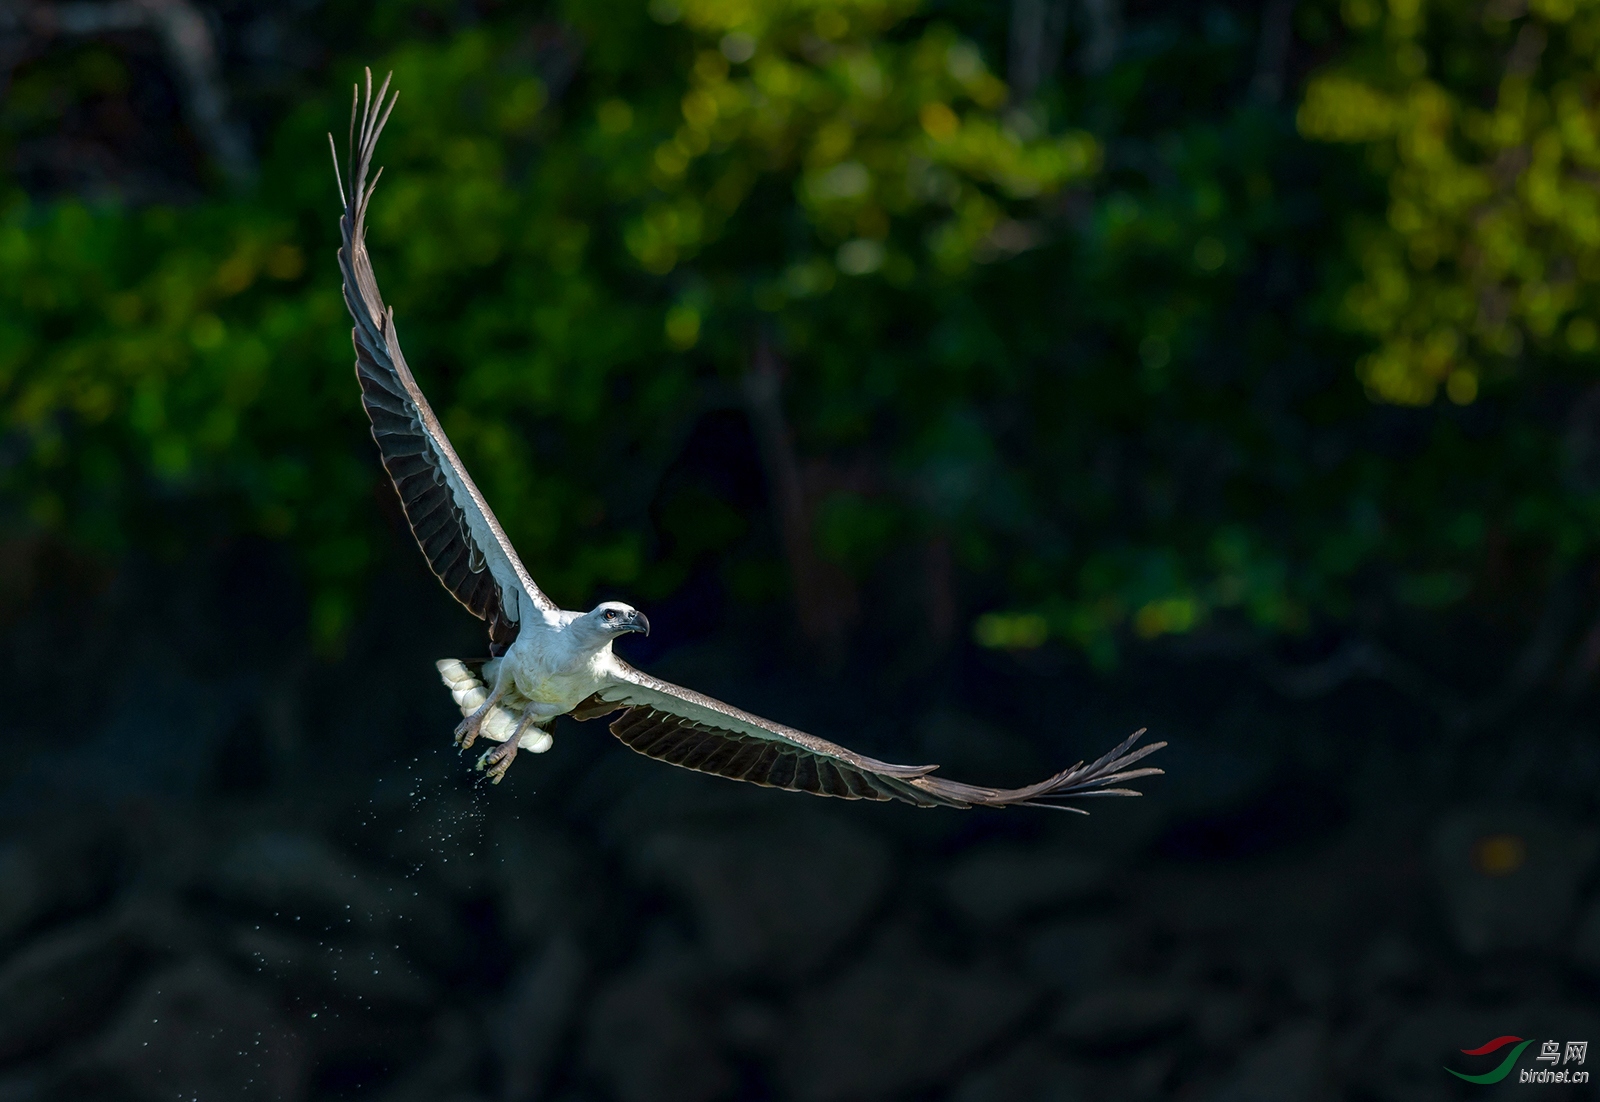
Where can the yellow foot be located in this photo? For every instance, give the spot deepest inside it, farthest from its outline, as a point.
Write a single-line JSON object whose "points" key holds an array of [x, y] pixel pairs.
{"points": [[497, 760]]}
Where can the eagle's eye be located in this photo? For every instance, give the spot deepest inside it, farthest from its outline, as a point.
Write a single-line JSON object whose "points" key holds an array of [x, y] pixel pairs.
{"points": [[611, 614]]}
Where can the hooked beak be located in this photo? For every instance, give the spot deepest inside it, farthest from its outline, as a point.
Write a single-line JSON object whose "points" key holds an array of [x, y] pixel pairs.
{"points": [[638, 621]]}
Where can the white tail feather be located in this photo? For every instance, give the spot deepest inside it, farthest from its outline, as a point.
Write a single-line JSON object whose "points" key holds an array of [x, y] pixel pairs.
{"points": [[455, 673], [469, 690], [499, 724]]}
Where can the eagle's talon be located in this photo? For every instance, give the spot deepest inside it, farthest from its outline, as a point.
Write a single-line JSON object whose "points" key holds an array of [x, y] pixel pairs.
{"points": [[495, 761]]}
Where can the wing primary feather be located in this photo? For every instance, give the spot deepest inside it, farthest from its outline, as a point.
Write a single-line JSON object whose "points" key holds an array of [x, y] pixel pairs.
{"points": [[337, 178], [350, 141], [685, 728], [471, 556]]}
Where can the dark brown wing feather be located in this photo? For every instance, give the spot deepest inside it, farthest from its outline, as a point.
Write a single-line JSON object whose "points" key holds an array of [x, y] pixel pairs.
{"points": [[1097, 778], [684, 728], [679, 741], [453, 524]]}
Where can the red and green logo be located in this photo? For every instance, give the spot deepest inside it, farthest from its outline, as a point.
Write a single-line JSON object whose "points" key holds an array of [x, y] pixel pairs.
{"points": [[1495, 1045]]}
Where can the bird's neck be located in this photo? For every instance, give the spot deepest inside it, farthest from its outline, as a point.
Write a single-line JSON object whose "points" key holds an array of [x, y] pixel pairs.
{"points": [[587, 642]]}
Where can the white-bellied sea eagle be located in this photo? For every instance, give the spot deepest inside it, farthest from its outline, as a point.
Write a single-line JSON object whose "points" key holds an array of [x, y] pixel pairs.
{"points": [[548, 662]]}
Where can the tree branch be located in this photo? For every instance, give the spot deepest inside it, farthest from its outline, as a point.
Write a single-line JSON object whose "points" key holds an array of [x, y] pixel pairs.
{"points": [[824, 597], [1539, 656], [192, 52]]}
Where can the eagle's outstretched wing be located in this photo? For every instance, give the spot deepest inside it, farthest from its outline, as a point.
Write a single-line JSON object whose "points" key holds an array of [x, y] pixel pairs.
{"points": [[457, 532], [683, 727]]}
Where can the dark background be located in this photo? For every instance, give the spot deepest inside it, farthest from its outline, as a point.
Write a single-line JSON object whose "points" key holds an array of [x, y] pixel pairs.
{"points": [[1098, 430]]}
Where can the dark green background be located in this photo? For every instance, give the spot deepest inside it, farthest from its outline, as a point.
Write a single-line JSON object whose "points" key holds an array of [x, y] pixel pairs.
{"points": [[1226, 369]]}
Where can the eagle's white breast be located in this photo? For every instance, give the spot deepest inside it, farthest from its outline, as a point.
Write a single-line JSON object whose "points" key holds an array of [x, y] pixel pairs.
{"points": [[549, 665]]}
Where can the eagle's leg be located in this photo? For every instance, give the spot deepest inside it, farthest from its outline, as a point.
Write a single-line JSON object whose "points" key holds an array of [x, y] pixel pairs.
{"points": [[467, 730], [496, 760]]}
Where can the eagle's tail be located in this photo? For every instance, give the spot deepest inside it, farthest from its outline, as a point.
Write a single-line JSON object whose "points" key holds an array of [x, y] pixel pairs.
{"points": [[467, 682]]}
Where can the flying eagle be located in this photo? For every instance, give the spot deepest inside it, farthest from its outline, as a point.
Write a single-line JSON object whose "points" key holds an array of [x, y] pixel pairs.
{"points": [[548, 662]]}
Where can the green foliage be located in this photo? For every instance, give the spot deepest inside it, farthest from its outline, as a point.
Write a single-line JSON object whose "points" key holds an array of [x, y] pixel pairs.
{"points": [[1483, 120], [156, 354], [1102, 346]]}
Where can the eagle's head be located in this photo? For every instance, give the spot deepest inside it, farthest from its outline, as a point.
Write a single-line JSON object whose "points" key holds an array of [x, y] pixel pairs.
{"points": [[612, 618]]}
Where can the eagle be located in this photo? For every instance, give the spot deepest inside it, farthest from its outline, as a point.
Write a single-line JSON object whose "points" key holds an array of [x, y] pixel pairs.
{"points": [[547, 661]]}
